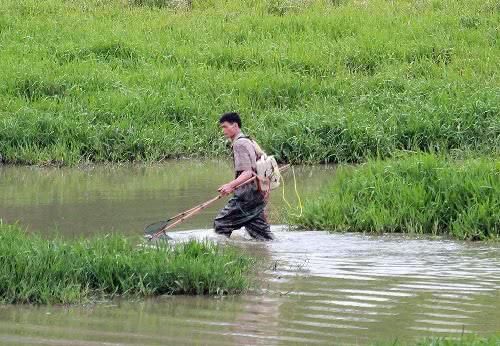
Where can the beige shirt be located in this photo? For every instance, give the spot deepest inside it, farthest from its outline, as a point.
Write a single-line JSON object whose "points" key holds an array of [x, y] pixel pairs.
{"points": [[244, 154]]}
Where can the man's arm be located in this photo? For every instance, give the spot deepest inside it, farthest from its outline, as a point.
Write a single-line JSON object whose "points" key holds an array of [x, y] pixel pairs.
{"points": [[226, 189]]}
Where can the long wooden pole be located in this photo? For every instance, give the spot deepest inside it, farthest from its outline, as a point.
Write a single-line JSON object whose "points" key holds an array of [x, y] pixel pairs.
{"points": [[195, 210]]}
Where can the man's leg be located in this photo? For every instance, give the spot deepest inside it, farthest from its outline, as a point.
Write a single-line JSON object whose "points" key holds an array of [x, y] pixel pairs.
{"points": [[245, 208], [227, 219], [259, 228]]}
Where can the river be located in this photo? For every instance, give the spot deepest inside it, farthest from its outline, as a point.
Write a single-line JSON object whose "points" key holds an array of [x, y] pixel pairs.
{"points": [[313, 287]]}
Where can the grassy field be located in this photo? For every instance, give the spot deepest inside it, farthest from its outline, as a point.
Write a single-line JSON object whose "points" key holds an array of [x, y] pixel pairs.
{"points": [[316, 81], [35, 270], [418, 194]]}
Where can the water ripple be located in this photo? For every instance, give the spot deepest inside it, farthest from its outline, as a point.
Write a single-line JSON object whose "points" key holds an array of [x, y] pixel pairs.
{"points": [[319, 289]]}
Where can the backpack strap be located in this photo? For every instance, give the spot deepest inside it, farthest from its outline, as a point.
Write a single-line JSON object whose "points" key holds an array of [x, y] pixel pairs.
{"points": [[258, 150]]}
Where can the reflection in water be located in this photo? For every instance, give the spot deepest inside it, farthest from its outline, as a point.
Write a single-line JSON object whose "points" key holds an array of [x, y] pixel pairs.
{"points": [[314, 288], [125, 198]]}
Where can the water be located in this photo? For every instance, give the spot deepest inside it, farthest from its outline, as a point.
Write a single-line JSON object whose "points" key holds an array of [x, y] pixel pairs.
{"points": [[314, 287], [126, 198]]}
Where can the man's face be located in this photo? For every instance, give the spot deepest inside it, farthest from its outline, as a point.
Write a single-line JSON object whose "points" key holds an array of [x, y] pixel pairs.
{"points": [[230, 130]]}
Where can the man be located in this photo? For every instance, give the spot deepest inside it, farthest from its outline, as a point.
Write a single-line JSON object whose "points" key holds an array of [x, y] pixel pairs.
{"points": [[246, 207]]}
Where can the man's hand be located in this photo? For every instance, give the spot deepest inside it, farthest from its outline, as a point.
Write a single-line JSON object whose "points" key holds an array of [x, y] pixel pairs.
{"points": [[225, 189]]}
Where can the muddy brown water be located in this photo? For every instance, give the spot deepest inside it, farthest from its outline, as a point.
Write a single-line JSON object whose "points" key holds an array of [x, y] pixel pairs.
{"points": [[316, 288]]}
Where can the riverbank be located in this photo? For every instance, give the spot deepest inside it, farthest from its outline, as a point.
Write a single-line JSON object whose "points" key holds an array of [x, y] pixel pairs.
{"points": [[422, 194], [315, 81], [39, 271]]}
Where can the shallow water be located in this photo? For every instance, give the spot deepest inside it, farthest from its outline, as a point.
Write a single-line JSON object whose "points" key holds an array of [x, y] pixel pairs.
{"points": [[315, 288], [126, 198]]}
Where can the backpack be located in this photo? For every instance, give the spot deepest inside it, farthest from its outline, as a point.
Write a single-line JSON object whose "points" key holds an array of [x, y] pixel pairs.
{"points": [[267, 170]]}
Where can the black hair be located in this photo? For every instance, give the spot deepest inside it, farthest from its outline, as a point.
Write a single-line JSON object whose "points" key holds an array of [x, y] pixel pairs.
{"points": [[231, 118]]}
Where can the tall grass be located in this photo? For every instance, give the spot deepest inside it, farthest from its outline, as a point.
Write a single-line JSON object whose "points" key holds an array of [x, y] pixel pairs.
{"points": [[35, 270], [418, 194], [316, 81]]}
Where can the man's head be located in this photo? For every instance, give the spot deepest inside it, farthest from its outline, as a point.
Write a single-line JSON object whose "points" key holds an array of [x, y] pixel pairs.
{"points": [[230, 124]]}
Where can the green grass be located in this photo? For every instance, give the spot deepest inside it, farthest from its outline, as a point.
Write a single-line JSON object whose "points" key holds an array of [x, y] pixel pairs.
{"points": [[468, 340], [35, 270], [316, 81], [417, 194], [463, 340]]}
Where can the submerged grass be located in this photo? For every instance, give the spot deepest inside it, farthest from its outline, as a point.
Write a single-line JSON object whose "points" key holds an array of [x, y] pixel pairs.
{"points": [[316, 81], [35, 270], [418, 194]]}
